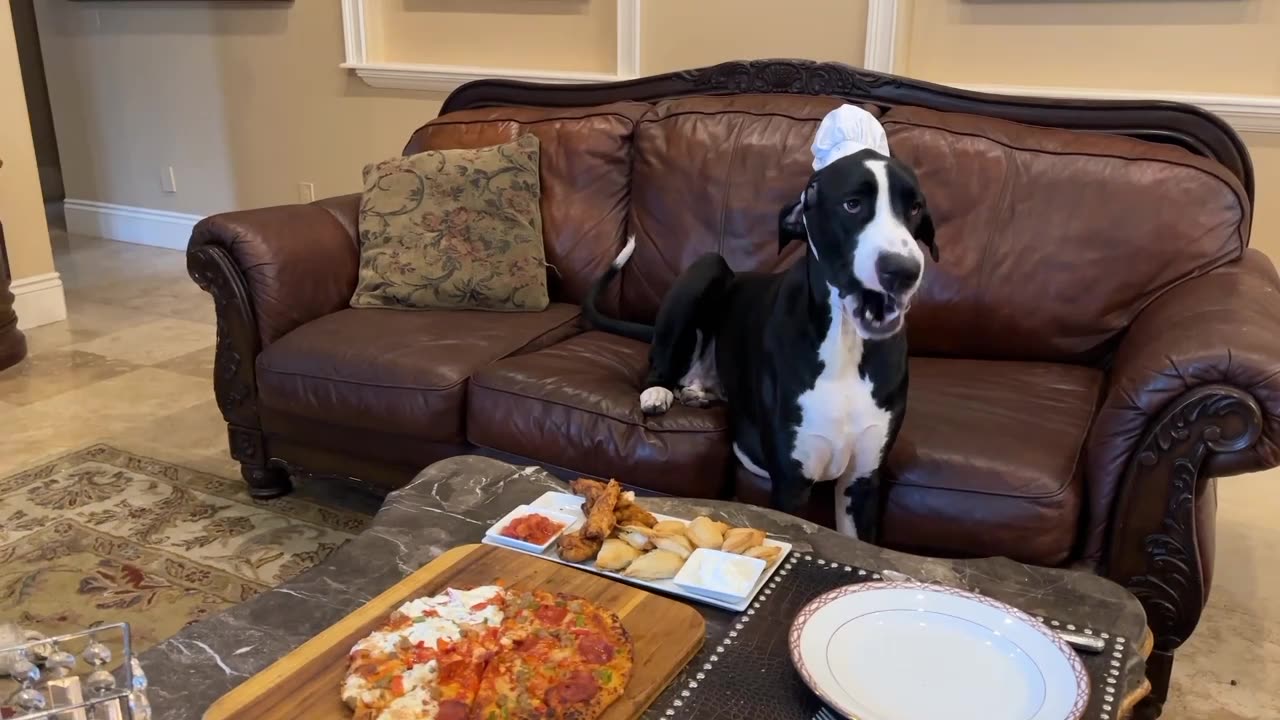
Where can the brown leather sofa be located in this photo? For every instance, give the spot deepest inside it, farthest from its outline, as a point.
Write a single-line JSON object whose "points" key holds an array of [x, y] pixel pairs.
{"points": [[1096, 345]]}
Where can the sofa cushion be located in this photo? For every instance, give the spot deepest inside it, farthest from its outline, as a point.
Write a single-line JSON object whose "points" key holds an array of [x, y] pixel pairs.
{"points": [[987, 463], [1052, 241], [586, 173], [453, 229], [989, 459], [710, 175], [576, 405], [398, 371]]}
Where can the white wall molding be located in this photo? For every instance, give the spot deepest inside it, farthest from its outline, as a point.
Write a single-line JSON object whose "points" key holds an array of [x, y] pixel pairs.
{"points": [[882, 35], [38, 300], [354, 33], [1245, 113], [628, 63], [142, 226], [444, 78]]}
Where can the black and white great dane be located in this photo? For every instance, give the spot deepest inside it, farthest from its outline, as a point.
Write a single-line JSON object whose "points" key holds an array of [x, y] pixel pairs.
{"points": [[812, 361]]}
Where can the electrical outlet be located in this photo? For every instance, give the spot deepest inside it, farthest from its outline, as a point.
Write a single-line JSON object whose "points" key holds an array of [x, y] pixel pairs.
{"points": [[168, 182], [306, 192]]}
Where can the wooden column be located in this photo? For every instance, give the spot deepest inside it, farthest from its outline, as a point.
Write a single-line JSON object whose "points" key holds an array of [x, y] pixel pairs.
{"points": [[13, 346]]}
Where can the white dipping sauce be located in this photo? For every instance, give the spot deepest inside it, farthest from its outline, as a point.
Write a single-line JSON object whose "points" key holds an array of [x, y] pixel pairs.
{"points": [[725, 572]]}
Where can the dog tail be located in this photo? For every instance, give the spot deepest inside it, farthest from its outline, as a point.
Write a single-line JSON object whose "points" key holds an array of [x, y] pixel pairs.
{"points": [[635, 331]]}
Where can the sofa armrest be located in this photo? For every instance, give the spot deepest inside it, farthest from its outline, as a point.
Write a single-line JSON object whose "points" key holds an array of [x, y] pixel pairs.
{"points": [[298, 262], [1194, 390], [1222, 328]]}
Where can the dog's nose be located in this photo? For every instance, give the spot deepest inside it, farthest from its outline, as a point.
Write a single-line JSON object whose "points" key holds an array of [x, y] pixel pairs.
{"points": [[897, 273]]}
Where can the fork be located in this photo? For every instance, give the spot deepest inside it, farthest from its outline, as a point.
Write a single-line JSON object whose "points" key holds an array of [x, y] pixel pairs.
{"points": [[824, 714]]}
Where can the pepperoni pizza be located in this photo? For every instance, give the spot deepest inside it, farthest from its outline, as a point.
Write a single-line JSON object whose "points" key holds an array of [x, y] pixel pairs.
{"points": [[490, 654]]}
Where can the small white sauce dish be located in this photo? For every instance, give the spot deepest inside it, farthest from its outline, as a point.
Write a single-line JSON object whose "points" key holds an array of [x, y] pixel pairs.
{"points": [[495, 532], [720, 575]]}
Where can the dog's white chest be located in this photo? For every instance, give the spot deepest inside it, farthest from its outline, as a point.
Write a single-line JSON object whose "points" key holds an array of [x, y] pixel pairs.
{"points": [[842, 431]]}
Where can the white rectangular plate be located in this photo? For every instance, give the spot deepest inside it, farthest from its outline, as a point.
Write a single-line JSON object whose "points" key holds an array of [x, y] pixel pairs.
{"points": [[572, 505]]}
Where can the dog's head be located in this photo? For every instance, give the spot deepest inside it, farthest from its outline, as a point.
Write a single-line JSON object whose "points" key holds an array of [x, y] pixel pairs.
{"points": [[862, 216]]}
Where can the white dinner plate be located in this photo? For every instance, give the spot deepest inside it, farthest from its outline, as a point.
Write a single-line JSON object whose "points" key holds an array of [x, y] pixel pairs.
{"points": [[911, 651]]}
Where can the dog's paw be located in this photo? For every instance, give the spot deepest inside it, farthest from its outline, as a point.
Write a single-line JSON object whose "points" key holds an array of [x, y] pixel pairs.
{"points": [[695, 396], [656, 400]]}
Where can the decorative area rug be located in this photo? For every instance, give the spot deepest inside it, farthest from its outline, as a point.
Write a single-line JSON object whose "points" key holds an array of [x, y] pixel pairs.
{"points": [[101, 536]]}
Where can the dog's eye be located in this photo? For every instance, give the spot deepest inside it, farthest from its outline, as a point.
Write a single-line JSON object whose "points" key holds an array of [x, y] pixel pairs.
{"points": [[916, 207], [853, 205]]}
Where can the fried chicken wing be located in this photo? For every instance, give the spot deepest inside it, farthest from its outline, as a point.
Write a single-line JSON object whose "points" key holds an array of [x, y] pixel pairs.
{"points": [[588, 489], [592, 489], [633, 515], [576, 548], [600, 519]]}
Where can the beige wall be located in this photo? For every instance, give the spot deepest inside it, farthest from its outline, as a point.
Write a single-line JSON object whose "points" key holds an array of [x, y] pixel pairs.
{"points": [[21, 207], [1265, 151], [246, 100], [1206, 46], [580, 35], [679, 34], [574, 35], [1213, 46]]}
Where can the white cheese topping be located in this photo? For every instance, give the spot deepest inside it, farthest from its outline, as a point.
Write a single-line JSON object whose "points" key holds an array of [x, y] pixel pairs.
{"points": [[379, 642], [420, 676], [452, 609], [414, 705], [456, 605], [429, 630], [357, 688]]}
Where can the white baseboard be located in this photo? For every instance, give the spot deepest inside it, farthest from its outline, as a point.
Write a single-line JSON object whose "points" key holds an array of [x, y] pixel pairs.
{"points": [[38, 300], [143, 226]]}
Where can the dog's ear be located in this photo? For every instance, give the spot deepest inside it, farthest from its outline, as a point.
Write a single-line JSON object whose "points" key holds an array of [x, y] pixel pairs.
{"points": [[925, 233], [790, 224], [791, 221]]}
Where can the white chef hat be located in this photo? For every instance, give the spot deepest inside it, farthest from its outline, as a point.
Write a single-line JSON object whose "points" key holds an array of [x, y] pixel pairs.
{"points": [[845, 131]]}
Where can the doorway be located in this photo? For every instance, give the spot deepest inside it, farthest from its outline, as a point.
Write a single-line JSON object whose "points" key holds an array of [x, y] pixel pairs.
{"points": [[38, 108]]}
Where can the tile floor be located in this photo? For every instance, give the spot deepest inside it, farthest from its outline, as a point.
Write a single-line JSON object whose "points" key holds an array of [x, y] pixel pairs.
{"points": [[131, 366]]}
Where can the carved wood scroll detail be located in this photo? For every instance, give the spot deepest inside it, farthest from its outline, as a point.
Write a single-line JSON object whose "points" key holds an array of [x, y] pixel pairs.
{"points": [[234, 381], [1155, 550], [786, 76]]}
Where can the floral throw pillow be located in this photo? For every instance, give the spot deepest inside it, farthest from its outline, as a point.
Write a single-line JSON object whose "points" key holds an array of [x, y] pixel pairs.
{"points": [[457, 229]]}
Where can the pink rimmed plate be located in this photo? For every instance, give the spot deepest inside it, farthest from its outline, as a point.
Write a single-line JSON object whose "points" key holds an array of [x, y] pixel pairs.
{"points": [[911, 651]]}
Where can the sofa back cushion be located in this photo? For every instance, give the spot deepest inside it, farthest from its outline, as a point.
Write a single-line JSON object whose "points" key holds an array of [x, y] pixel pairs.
{"points": [[1051, 241], [710, 175], [585, 173], [453, 229]]}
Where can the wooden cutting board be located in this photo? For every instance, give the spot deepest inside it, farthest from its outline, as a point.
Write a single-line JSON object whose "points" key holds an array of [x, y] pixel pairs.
{"points": [[305, 683]]}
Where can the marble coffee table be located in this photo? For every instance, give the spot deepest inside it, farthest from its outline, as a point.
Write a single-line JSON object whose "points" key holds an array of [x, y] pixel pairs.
{"points": [[452, 503]]}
